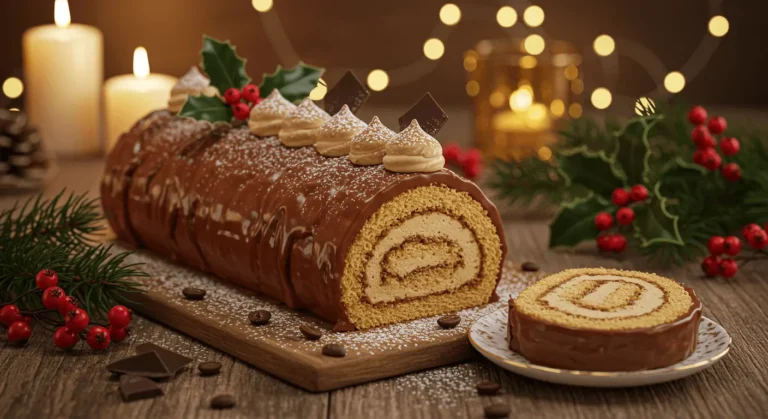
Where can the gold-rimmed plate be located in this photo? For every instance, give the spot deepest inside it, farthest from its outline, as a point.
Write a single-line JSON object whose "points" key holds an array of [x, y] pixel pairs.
{"points": [[489, 336]]}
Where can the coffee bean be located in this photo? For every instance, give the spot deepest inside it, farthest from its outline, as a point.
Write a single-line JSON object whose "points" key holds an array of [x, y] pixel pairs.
{"points": [[335, 350], [487, 387], [209, 368], [223, 401], [497, 410], [529, 267], [193, 293], [449, 322], [259, 317], [310, 332]]}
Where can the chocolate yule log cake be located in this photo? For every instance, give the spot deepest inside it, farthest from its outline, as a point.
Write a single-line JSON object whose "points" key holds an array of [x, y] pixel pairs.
{"points": [[278, 206], [604, 320]]}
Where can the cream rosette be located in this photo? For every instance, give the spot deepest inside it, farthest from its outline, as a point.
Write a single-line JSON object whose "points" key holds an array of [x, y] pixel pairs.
{"points": [[367, 148], [194, 83], [333, 138], [413, 151], [300, 128], [268, 116]]}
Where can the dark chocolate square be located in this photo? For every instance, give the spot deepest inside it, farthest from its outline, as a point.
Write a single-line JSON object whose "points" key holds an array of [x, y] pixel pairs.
{"points": [[147, 364], [173, 361], [348, 91], [133, 387], [428, 113]]}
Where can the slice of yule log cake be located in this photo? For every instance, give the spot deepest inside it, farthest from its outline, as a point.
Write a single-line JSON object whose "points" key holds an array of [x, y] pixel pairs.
{"points": [[360, 225], [604, 320]]}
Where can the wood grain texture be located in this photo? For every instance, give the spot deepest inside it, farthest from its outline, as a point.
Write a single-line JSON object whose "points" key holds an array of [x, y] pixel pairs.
{"points": [[40, 381]]}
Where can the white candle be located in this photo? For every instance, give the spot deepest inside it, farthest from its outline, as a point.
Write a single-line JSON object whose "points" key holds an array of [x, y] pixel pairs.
{"points": [[63, 72], [130, 97]]}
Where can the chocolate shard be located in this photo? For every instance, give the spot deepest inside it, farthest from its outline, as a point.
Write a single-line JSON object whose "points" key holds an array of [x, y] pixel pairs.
{"points": [[429, 114], [133, 387], [348, 91], [148, 364], [173, 361]]}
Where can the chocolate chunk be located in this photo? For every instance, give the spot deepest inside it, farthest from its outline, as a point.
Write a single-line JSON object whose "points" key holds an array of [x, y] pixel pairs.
{"points": [[497, 410], [487, 387], [429, 114], [348, 91], [449, 322], [529, 267], [223, 401], [209, 368], [193, 293], [310, 332], [133, 387], [173, 361], [335, 350], [259, 317], [147, 364]]}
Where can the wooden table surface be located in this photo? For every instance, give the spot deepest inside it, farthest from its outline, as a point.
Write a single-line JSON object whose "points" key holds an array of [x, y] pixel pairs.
{"points": [[40, 381]]}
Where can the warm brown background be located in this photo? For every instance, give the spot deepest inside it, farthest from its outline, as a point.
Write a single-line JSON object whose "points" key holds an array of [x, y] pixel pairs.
{"points": [[390, 33]]}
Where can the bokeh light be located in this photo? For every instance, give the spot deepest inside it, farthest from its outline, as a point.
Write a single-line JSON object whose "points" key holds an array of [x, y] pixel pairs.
{"points": [[534, 44], [13, 87], [719, 26], [378, 80], [450, 14], [674, 82], [533, 16], [520, 100], [557, 107], [506, 16], [497, 99], [473, 88], [545, 153], [604, 45], [571, 72], [528, 62], [434, 48], [262, 5], [644, 103], [601, 98], [575, 110]]}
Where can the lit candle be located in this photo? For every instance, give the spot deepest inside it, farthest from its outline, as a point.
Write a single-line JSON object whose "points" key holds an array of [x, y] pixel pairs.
{"points": [[63, 72], [521, 132], [130, 97]]}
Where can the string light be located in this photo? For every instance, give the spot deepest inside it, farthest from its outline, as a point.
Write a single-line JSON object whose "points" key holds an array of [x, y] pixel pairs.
{"points": [[674, 82], [545, 153], [604, 45], [601, 98], [718, 26], [318, 93], [470, 62], [520, 100], [557, 107], [378, 80], [506, 16], [262, 5], [571, 72], [533, 16], [575, 110], [450, 14], [434, 48], [644, 103], [534, 44], [13, 87], [473, 88], [528, 62]]}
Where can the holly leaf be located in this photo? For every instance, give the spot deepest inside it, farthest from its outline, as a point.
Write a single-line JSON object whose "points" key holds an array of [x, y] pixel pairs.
{"points": [[575, 222], [634, 150], [222, 64], [654, 223], [593, 170], [294, 84], [206, 108]]}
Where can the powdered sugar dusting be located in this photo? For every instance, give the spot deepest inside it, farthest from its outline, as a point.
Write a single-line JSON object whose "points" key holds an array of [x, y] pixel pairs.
{"points": [[343, 122], [375, 136], [274, 105], [413, 141], [307, 110]]}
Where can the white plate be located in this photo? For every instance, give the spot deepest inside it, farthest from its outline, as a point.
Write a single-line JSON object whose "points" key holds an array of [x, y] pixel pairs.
{"points": [[489, 336]]}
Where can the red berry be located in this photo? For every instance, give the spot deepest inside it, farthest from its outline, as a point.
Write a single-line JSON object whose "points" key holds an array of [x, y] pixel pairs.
{"points": [[64, 338], [257, 101], [10, 314], [711, 160], [728, 268], [749, 227], [729, 146], [702, 138], [604, 242], [232, 96], [620, 197], [732, 245], [758, 239], [638, 193], [603, 221], [452, 153], [618, 243], [118, 334], [68, 304], [77, 320], [251, 93], [625, 216], [471, 169], [711, 266], [697, 115], [46, 279], [19, 332], [471, 156], [717, 125], [27, 320], [698, 157], [52, 297], [98, 338], [731, 172], [716, 245], [119, 316], [241, 111]]}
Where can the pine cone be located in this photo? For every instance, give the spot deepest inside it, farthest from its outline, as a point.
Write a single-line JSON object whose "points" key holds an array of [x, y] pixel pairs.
{"points": [[23, 161]]}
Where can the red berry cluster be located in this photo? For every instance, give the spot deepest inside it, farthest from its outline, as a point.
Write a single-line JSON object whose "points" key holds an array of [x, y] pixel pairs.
{"points": [[702, 136], [470, 161], [625, 216], [714, 265], [243, 100], [76, 320]]}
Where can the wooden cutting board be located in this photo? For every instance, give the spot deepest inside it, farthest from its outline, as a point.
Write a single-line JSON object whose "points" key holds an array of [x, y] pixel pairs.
{"points": [[221, 320]]}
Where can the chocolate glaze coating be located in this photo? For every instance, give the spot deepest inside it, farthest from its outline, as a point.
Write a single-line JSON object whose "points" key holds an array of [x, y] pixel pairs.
{"points": [[552, 345], [273, 219]]}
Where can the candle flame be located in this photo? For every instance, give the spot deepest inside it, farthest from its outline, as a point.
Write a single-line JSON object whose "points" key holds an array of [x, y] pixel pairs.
{"points": [[61, 13], [140, 63]]}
